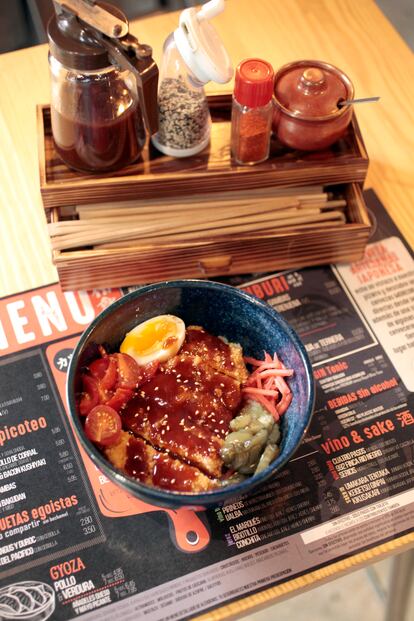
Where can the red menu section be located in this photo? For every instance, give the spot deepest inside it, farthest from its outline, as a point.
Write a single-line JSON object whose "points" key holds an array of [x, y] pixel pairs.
{"points": [[190, 533], [48, 313]]}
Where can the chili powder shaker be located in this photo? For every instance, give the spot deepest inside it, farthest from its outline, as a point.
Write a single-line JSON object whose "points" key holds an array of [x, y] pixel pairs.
{"points": [[192, 56], [252, 110], [103, 87]]}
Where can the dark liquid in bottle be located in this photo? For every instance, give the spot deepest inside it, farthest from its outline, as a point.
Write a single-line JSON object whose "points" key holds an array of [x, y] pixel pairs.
{"points": [[99, 146]]}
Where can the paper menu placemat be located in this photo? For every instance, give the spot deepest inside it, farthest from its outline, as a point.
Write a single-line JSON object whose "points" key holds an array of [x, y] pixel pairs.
{"points": [[94, 551]]}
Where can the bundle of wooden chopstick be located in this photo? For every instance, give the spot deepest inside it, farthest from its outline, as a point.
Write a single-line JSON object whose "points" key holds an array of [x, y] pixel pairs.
{"points": [[197, 219]]}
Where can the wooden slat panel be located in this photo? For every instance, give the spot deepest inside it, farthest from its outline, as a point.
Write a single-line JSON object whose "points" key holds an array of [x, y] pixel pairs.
{"points": [[244, 253]]}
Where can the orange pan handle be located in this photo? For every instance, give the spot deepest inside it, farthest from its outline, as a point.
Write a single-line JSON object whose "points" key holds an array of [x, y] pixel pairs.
{"points": [[188, 531]]}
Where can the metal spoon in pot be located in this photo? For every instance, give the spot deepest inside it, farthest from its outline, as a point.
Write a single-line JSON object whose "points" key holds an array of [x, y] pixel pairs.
{"points": [[350, 102]]}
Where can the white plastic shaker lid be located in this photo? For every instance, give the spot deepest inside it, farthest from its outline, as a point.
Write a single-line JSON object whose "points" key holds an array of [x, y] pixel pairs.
{"points": [[201, 46]]}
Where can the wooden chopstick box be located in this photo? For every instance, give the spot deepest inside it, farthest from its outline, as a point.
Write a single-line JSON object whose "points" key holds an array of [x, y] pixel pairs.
{"points": [[156, 177], [87, 268]]}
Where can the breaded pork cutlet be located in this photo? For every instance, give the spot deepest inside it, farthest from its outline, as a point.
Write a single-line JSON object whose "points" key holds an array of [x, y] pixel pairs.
{"points": [[227, 358], [186, 409], [139, 460]]}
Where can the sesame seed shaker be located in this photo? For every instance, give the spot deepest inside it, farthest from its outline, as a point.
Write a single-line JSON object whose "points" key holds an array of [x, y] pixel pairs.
{"points": [[193, 55]]}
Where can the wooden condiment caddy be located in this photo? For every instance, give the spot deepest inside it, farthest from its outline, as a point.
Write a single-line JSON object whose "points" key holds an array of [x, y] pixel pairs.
{"points": [[204, 216]]}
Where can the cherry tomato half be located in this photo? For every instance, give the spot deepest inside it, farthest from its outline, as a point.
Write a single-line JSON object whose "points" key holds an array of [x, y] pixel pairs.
{"points": [[105, 371], [129, 372], [103, 425], [120, 398], [90, 395]]}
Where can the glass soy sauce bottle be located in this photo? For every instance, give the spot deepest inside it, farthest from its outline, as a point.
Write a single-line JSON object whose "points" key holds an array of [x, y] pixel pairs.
{"points": [[103, 87]]}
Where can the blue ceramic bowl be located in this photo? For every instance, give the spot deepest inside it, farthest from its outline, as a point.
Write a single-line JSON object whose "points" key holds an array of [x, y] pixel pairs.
{"points": [[223, 311]]}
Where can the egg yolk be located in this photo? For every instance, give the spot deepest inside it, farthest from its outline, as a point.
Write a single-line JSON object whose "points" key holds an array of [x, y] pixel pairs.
{"points": [[157, 334], [158, 338]]}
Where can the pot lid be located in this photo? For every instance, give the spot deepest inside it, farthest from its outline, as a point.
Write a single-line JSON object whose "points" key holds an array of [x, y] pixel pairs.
{"points": [[311, 88]]}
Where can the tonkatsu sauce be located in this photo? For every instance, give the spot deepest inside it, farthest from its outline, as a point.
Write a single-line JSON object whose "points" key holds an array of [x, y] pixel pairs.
{"points": [[186, 408], [159, 469], [212, 348], [99, 146]]}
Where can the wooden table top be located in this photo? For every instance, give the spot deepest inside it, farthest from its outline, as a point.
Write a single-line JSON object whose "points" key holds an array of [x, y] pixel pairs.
{"points": [[352, 34]]}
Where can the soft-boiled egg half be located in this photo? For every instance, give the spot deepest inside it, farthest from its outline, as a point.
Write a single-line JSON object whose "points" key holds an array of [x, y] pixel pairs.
{"points": [[159, 338]]}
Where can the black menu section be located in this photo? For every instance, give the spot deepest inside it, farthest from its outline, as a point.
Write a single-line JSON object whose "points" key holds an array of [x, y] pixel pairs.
{"points": [[73, 540], [46, 509], [318, 309]]}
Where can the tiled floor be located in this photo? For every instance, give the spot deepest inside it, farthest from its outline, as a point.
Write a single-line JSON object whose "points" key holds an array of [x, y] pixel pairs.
{"points": [[352, 597], [358, 596], [401, 14]]}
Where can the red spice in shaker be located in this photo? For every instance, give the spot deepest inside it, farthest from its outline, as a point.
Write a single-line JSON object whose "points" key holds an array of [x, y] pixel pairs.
{"points": [[252, 111]]}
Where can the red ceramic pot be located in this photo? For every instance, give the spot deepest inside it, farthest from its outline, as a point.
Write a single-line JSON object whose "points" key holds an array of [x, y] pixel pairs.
{"points": [[306, 112]]}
